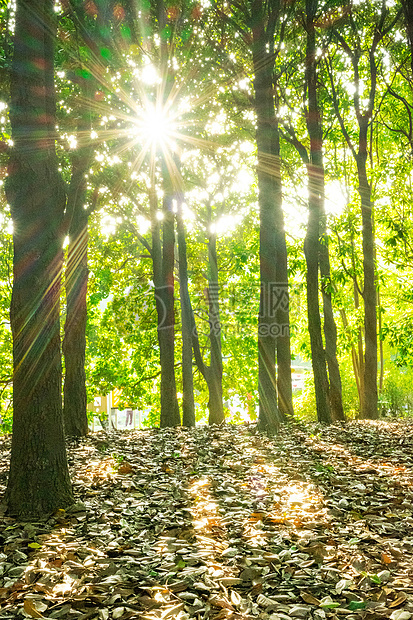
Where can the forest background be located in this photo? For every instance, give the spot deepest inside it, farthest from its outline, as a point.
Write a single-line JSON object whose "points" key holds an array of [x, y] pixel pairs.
{"points": [[180, 128]]}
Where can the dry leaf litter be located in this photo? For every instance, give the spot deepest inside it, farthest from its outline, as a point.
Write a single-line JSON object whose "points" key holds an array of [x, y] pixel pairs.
{"points": [[222, 522]]}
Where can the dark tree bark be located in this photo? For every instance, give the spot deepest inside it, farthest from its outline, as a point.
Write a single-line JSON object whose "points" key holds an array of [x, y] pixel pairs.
{"points": [[328, 386], [370, 395], [272, 235], [214, 371], [163, 255], [169, 401], [188, 404], [39, 479], [318, 359], [76, 279], [284, 381], [163, 264], [330, 332]]}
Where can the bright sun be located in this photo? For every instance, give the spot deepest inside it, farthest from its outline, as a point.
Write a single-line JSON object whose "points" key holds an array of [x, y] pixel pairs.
{"points": [[156, 126]]}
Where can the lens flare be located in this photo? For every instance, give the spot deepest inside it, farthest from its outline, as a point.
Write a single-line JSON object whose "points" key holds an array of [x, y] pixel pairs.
{"points": [[155, 126]]}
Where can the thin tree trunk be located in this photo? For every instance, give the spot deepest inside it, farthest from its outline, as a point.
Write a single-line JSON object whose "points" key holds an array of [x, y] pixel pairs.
{"points": [[330, 334], [354, 356], [38, 479], [214, 371], [284, 381], [381, 350], [76, 279], [169, 401], [188, 404], [312, 246], [318, 359], [370, 396], [360, 351]]}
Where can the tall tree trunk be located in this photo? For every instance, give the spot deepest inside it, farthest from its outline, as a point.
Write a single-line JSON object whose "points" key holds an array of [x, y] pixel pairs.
{"points": [[38, 479], [76, 279], [269, 188], [188, 404], [370, 396], [163, 263], [315, 205], [165, 258], [214, 371], [169, 401], [284, 380]]}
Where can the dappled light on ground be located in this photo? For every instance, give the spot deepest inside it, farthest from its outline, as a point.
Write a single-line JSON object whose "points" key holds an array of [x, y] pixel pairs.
{"points": [[214, 523]]}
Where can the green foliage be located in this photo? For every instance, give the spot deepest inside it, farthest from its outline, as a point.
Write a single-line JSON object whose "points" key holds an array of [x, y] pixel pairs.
{"points": [[396, 399]]}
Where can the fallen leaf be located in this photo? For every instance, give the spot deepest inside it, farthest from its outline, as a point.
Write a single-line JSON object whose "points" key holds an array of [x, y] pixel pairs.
{"points": [[401, 597], [309, 598], [30, 609]]}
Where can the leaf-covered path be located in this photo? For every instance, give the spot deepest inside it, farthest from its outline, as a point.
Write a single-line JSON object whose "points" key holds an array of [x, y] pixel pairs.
{"points": [[223, 523]]}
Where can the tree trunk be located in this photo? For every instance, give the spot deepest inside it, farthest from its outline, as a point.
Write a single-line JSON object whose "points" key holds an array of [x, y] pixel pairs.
{"points": [[214, 371], [169, 401], [330, 332], [269, 189], [359, 353], [318, 359], [163, 263], [284, 381], [188, 404], [370, 397], [381, 348], [315, 205], [76, 279], [38, 479]]}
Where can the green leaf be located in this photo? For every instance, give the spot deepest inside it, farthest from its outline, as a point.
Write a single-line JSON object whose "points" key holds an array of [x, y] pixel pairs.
{"points": [[353, 605], [34, 545], [375, 579]]}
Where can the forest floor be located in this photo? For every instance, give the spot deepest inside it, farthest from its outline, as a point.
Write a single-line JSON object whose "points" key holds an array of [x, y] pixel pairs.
{"points": [[221, 522]]}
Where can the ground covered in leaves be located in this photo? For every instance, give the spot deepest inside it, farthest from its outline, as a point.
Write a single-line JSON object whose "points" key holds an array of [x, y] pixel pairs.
{"points": [[216, 523]]}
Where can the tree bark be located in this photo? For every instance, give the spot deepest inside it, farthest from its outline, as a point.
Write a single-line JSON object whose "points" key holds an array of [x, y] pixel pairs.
{"points": [[188, 403], [284, 380], [370, 396], [315, 206], [38, 479], [318, 359], [163, 263], [269, 199], [317, 187], [76, 280], [330, 331], [214, 371]]}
